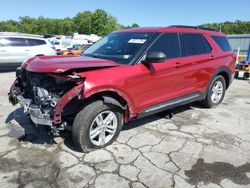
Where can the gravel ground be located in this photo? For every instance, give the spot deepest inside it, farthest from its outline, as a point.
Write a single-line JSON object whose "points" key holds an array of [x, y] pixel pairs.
{"points": [[196, 147]]}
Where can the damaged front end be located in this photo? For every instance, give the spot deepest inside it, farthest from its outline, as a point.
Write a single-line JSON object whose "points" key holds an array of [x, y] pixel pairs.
{"points": [[44, 96]]}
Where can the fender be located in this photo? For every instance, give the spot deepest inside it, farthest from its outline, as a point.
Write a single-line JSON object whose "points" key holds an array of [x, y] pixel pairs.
{"points": [[64, 100], [111, 100], [94, 91]]}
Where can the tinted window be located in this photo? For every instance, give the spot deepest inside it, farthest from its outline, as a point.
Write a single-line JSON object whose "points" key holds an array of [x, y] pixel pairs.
{"points": [[222, 42], [17, 42], [121, 47], [169, 44], [194, 44], [207, 46], [35, 42]]}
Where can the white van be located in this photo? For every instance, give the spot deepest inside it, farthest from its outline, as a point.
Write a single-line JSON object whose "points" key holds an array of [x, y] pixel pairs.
{"points": [[14, 49]]}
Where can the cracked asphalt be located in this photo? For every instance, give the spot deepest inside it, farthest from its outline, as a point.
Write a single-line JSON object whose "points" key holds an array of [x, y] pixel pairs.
{"points": [[190, 146]]}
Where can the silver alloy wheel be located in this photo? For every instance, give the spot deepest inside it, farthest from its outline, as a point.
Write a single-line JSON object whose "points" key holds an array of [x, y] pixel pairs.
{"points": [[103, 128], [217, 91]]}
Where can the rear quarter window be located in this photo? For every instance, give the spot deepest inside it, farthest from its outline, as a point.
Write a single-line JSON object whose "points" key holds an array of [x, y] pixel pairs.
{"points": [[35, 42], [17, 42], [194, 44], [222, 42]]}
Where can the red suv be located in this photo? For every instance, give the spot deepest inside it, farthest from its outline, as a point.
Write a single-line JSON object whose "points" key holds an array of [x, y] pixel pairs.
{"points": [[126, 75]]}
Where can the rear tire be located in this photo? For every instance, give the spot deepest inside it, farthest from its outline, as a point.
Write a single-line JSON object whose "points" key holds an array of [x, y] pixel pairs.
{"points": [[236, 75], [91, 120], [216, 92]]}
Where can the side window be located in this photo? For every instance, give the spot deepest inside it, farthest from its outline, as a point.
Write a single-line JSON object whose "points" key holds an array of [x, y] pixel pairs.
{"points": [[207, 46], [169, 44], [4, 42], [222, 42], [194, 44], [17, 42], [35, 42], [1, 42]]}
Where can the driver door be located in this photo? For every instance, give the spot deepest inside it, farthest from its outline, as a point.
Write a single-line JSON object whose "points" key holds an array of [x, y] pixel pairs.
{"points": [[162, 81]]}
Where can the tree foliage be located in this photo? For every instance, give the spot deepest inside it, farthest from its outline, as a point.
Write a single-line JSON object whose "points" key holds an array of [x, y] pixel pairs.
{"points": [[98, 22], [237, 27]]}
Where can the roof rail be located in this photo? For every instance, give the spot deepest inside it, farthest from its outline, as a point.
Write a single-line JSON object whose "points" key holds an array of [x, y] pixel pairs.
{"points": [[191, 27], [19, 34]]}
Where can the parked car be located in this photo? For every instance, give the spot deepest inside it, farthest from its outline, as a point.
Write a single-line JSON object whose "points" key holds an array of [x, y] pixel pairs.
{"points": [[14, 49], [57, 45], [126, 75], [77, 49]]}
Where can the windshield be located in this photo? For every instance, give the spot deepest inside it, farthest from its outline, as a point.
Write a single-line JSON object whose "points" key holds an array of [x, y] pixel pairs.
{"points": [[76, 47], [120, 47]]}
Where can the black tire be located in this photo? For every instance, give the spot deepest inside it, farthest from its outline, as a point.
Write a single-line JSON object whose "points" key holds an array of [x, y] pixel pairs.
{"points": [[236, 75], [208, 102], [246, 75], [83, 120]]}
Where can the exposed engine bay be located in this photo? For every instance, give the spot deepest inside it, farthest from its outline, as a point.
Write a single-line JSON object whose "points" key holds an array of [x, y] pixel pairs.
{"points": [[39, 93], [44, 89]]}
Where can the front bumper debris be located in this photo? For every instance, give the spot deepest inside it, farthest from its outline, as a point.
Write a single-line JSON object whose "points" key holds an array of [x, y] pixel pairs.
{"points": [[39, 113], [36, 115]]}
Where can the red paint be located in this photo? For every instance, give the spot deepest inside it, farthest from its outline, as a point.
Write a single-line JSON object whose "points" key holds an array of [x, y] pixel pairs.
{"points": [[58, 64], [64, 100], [138, 85]]}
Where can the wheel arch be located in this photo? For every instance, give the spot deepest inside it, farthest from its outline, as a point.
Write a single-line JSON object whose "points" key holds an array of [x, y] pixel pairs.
{"points": [[226, 74], [223, 71], [39, 55], [115, 97]]}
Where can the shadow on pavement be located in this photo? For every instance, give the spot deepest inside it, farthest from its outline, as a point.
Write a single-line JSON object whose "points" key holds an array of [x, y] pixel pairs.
{"points": [[168, 114], [21, 128], [4, 70], [217, 171]]}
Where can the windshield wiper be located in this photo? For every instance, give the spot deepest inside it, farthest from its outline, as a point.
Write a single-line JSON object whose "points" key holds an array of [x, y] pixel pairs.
{"points": [[90, 55]]}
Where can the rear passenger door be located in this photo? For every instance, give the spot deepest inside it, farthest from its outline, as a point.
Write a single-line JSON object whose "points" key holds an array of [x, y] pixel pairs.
{"points": [[36, 47], [18, 50], [196, 61]]}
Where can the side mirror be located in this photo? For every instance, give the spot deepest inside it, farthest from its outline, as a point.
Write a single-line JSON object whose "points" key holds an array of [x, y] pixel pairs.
{"points": [[155, 57]]}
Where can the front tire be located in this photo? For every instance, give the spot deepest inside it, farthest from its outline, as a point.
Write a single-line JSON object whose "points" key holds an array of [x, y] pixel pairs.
{"points": [[216, 92], [96, 126]]}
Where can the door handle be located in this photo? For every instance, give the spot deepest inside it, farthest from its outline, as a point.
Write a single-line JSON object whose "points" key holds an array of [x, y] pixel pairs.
{"points": [[212, 57], [3, 50], [27, 50], [177, 65]]}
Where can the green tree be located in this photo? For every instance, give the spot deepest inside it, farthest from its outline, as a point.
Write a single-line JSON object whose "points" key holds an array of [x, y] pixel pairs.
{"points": [[98, 22], [237, 27], [83, 22], [134, 25], [103, 23]]}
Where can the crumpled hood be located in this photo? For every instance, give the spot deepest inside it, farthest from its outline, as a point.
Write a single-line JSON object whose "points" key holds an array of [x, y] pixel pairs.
{"points": [[59, 64]]}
